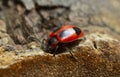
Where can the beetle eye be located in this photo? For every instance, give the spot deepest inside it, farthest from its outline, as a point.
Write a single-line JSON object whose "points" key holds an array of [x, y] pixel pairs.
{"points": [[77, 30]]}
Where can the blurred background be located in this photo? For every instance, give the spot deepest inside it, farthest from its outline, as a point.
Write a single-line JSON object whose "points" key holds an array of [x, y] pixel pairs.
{"points": [[25, 20]]}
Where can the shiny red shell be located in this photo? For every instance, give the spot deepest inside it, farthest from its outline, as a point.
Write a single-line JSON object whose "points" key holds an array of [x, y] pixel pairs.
{"points": [[64, 34]]}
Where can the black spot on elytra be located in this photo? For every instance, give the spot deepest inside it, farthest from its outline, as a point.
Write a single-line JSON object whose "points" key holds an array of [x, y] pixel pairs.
{"points": [[77, 30]]}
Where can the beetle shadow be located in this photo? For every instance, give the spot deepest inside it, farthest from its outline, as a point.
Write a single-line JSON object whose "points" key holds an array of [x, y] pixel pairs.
{"points": [[65, 47]]}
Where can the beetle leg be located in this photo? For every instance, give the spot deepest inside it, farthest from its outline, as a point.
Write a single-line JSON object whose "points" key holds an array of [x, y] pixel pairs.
{"points": [[55, 51], [71, 53]]}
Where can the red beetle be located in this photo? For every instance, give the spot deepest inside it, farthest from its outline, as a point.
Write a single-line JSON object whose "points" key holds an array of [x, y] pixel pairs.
{"points": [[64, 34]]}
